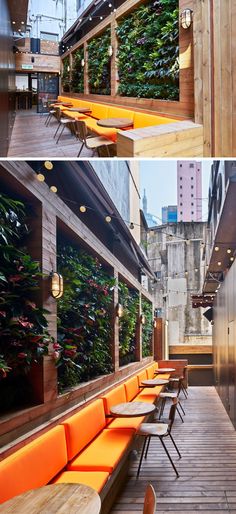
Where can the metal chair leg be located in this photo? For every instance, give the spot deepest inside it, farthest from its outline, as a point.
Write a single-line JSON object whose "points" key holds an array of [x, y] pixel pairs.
{"points": [[183, 411], [169, 457], [175, 445], [181, 417], [141, 457], [146, 452], [60, 133], [82, 146], [57, 129], [163, 403], [45, 123]]}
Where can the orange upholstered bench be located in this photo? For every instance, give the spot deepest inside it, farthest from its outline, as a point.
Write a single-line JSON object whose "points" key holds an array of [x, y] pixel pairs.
{"points": [[98, 111], [92, 447], [40, 462]]}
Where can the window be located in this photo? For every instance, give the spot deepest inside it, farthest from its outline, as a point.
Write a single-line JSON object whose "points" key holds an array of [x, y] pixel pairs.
{"points": [[180, 178], [181, 212], [192, 203], [191, 187], [192, 212], [180, 165], [191, 178], [181, 187], [181, 203], [157, 274], [192, 195], [191, 165], [48, 37], [180, 195]]}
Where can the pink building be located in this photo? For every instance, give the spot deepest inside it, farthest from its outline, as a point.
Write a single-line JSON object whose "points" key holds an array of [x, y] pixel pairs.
{"points": [[189, 191]]}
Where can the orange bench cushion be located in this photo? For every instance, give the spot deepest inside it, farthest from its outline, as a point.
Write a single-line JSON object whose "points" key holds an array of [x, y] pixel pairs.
{"points": [[110, 133], [34, 465], [99, 111], [150, 372], [104, 452], [131, 388], [74, 115], [94, 479], [120, 112], [118, 395], [146, 397], [81, 428], [142, 375], [150, 120]]}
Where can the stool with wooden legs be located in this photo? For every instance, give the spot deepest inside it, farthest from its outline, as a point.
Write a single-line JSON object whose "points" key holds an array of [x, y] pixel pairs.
{"points": [[161, 429]]}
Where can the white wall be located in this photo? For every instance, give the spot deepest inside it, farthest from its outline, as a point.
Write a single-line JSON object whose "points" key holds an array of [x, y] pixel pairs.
{"points": [[51, 16]]}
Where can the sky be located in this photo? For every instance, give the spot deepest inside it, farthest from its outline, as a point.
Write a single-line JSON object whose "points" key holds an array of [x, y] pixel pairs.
{"points": [[159, 178]]}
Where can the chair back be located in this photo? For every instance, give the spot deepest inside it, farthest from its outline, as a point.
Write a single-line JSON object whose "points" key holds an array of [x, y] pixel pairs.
{"points": [[58, 113], [81, 130], [150, 500], [172, 413]]}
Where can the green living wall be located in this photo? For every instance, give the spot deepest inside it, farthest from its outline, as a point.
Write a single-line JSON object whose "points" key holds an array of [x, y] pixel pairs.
{"points": [[99, 64], [83, 350], [77, 78], [147, 328], [148, 52], [129, 299], [23, 327], [65, 79]]}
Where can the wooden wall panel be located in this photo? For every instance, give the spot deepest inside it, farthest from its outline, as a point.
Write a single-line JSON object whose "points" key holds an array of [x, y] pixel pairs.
{"points": [[43, 63]]}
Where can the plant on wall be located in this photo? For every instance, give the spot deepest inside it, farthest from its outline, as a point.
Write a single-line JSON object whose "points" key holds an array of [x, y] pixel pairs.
{"points": [[77, 78], [148, 52], [23, 327], [99, 64], [83, 350], [129, 299], [65, 79], [147, 328]]}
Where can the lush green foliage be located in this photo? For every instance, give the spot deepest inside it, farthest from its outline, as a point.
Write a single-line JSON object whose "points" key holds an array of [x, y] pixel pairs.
{"points": [[129, 299], [99, 64], [148, 51], [147, 328], [83, 350], [65, 79], [23, 335], [77, 79]]}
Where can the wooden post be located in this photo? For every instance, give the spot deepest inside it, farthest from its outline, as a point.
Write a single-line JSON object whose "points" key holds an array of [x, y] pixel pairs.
{"points": [[115, 338], [158, 340], [114, 68], [86, 78]]}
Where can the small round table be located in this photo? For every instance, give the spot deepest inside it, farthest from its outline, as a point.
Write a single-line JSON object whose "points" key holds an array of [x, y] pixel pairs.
{"points": [[154, 382], [79, 109], [164, 370], [115, 122], [55, 499], [132, 409]]}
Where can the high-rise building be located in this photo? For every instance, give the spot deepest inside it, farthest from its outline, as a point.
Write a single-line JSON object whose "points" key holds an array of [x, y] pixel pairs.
{"points": [[150, 218], [169, 214], [189, 191]]}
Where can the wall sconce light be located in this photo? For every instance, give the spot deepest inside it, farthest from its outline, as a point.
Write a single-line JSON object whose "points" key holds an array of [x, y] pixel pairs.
{"points": [[142, 319], [154, 323], [82, 63], [56, 284], [68, 68], [186, 18], [119, 310], [110, 50]]}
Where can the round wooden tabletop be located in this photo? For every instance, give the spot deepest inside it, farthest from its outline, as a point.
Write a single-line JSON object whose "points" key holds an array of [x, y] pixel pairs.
{"points": [[79, 109], [164, 370], [132, 409], [115, 122], [55, 499], [154, 382]]}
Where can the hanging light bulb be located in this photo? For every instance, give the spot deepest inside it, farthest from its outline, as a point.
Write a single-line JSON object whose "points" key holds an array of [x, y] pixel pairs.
{"points": [[48, 165], [82, 208], [108, 219], [40, 177], [217, 248], [229, 250], [53, 189]]}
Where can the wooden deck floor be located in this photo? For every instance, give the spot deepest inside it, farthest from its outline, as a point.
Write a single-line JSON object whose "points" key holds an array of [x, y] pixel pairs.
{"points": [[207, 483], [31, 138]]}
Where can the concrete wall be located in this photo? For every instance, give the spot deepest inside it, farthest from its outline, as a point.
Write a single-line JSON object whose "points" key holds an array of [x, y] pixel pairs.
{"points": [[175, 253], [52, 17]]}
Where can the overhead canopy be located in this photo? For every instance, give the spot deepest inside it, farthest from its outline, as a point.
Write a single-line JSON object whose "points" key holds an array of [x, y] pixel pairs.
{"points": [[78, 184], [18, 12]]}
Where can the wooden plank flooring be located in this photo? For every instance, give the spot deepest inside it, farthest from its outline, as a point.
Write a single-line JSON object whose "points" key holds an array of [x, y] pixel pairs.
{"points": [[31, 138], [207, 482]]}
